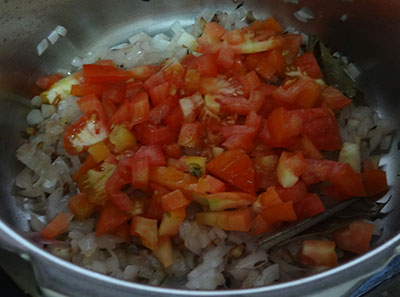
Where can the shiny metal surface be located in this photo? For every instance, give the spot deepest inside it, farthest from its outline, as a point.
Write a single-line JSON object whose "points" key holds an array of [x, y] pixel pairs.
{"points": [[369, 37]]}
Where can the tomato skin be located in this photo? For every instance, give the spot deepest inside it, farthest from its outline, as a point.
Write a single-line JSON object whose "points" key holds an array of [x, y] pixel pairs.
{"points": [[355, 238], [346, 180], [309, 206], [334, 99], [189, 136], [295, 193], [319, 253], [374, 181], [159, 93], [225, 57], [95, 73], [174, 200], [308, 65], [283, 125], [115, 93], [317, 171], [87, 89], [235, 167], [57, 226], [237, 105], [309, 95], [110, 219], [321, 128], [206, 65], [278, 213], [140, 172], [155, 154], [265, 136], [150, 134]]}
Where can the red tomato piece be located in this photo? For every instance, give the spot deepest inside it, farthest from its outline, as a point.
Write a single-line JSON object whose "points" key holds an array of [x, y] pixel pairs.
{"points": [[110, 218], [256, 100], [260, 226], [294, 193], [139, 109], [209, 42], [171, 221], [159, 93], [174, 200], [290, 167], [57, 226], [155, 154], [317, 171], [239, 141], [309, 95], [189, 136], [289, 90], [132, 88], [309, 206], [171, 177], [270, 198], [320, 126], [158, 114], [90, 129], [140, 172], [265, 136], [374, 181], [225, 57], [150, 134], [123, 232], [291, 46], [319, 253], [265, 170], [172, 150], [175, 119], [308, 65], [278, 213], [154, 80], [114, 93], [88, 164], [109, 108], [283, 125], [237, 105], [91, 104], [334, 99], [121, 176], [346, 180], [142, 72], [95, 73], [208, 184], [206, 65], [87, 89], [122, 201], [355, 238], [235, 167]]}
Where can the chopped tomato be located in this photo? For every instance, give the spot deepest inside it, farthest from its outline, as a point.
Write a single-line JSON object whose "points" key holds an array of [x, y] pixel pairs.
{"points": [[251, 82], [171, 221], [291, 46], [278, 213], [374, 181], [317, 171], [227, 200], [140, 172], [154, 152], [270, 197], [95, 73], [174, 200], [355, 238], [209, 42], [239, 105], [189, 136], [89, 130], [308, 65], [319, 253], [150, 134], [206, 65], [57, 226], [289, 90], [81, 207], [114, 93], [309, 206], [110, 218], [265, 171], [295, 193], [172, 150], [123, 232], [230, 220], [334, 99], [122, 138], [346, 180], [159, 113], [146, 229], [260, 226], [208, 184], [88, 164], [87, 89], [309, 95], [122, 201], [235, 167], [159, 93], [142, 72], [321, 128], [283, 125], [239, 141], [171, 177], [290, 167], [91, 104]]}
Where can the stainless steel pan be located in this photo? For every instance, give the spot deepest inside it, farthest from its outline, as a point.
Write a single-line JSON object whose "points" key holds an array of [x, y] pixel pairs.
{"points": [[370, 37]]}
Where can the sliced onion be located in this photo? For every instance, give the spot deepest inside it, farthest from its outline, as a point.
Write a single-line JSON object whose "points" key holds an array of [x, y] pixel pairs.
{"points": [[304, 14], [42, 47], [34, 117], [61, 30]]}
